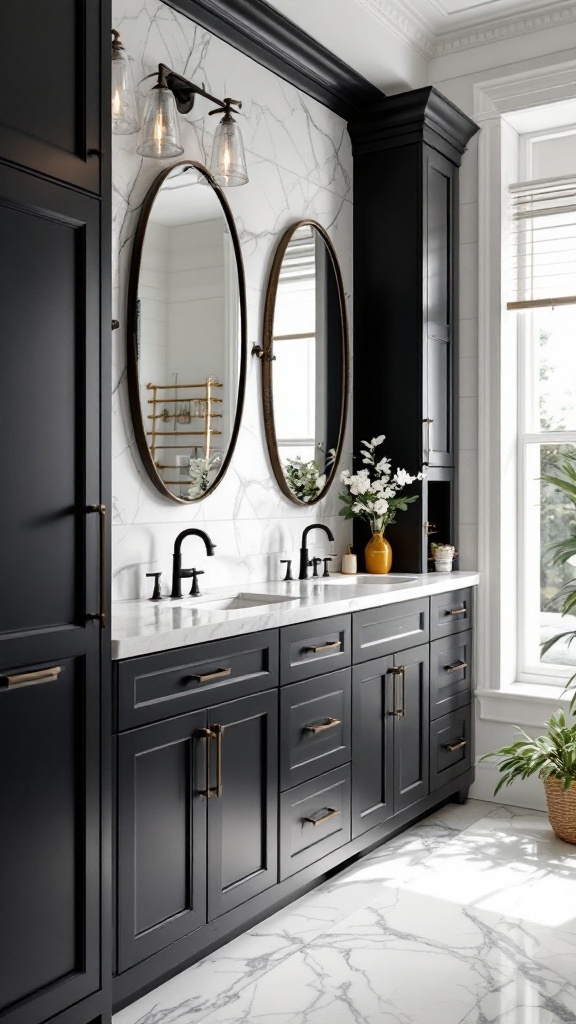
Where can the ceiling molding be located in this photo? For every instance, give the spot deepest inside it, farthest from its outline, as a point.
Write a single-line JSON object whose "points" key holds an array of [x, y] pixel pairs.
{"points": [[417, 32], [261, 32]]}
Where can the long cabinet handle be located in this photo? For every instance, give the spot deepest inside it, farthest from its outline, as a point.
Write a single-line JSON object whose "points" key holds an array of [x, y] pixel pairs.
{"points": [[45, 675], [330, 723], [458, 745], [101, 615], [456, 666], [213, 732], [220, 673], [398, 671], [332, 644], [332, 812], [456, 611], [208, 735]]}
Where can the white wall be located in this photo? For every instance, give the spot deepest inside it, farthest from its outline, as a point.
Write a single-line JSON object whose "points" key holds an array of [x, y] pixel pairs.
{"points": [[300, 166]]}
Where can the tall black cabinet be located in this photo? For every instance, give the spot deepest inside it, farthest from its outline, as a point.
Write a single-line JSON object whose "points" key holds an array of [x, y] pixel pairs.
{"points": [[407, 150], [54, 378]]}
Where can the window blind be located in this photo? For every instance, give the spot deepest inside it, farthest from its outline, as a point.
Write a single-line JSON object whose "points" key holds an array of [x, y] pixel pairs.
{"points": [[543, 216]]}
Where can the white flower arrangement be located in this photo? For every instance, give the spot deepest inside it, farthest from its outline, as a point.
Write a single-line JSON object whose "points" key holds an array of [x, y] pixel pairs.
{"points": [[198, 473], [304, 478], [373, 493]]}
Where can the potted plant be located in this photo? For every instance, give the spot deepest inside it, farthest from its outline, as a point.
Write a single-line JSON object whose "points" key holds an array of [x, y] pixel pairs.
{"points": [[553, 758], [373, 494], [563, 552]]}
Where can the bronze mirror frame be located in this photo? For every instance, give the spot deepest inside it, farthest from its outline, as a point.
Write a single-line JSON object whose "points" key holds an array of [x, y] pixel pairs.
{"points": [[267, 358], [132, 333]]}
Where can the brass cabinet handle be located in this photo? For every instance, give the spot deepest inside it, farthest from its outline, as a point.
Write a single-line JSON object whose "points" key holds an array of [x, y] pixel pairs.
{"points": [[101, 615], [217, 732], [330, 723], [220, 673], [332, 812], [325, 647], [456, 611], [456, 666], [458, 745], [207, 734], [399, 670], [45, 675]]}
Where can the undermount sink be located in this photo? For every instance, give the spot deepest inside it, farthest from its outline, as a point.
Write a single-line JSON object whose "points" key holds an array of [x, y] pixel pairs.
{"points": [[374, 580], [235, 602]]}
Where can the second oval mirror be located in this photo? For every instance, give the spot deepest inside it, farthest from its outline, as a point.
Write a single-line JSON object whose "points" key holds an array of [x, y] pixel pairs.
{"points": [[305, 363], [187, 333]]}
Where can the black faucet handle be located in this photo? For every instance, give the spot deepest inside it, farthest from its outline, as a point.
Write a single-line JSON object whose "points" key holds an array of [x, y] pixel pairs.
{"points": [[156, 594], [195, 573], [315, 563], [326, 560], [288, 563]]}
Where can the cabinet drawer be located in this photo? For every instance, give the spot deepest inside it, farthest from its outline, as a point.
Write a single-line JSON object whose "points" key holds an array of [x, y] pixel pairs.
{"points": [[315, 725], [450, 747], [380, 631], [450, 613], [315, 819], [312, 648], [450, 674], [162, 685]]}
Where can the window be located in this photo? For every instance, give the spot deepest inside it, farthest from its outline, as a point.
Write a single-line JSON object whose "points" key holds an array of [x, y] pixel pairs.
{"points": [[543, 218]]}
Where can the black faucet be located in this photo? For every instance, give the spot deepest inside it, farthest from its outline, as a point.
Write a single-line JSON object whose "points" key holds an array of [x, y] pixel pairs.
{"points": [[304, 563], [178, 573]]}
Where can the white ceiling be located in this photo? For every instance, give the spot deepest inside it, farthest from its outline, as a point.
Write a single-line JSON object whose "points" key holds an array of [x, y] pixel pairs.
{"points": [[362, 32]]}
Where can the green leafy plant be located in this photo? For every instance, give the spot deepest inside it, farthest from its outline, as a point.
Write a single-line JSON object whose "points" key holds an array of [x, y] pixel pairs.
{"points": [[304, 478], [563, 552], [551, 756]]}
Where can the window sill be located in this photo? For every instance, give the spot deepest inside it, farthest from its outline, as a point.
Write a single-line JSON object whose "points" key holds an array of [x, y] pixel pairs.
{"points": [[523, 703]]}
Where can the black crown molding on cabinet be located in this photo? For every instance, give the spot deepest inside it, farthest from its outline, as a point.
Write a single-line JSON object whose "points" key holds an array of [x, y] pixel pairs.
{"points": [[274, 41], [421, 115]]}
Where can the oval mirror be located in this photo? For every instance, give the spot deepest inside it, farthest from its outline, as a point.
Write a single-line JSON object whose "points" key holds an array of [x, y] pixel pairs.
{"points": [[305, 363], [186, 333]]}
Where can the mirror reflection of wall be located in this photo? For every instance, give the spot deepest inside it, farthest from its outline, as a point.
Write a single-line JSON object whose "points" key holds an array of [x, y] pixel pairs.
{"points": [[308, 369], [188, 333]]}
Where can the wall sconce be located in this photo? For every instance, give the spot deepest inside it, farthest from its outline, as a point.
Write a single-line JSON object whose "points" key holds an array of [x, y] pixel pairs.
{"points": [[161, 135], [124, 109]]}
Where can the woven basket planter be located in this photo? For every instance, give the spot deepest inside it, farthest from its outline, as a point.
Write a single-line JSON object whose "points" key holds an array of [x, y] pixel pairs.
{"points": [[561, 809]]}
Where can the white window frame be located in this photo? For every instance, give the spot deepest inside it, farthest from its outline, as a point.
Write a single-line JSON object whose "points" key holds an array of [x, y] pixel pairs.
{"points": [[497, 633]]}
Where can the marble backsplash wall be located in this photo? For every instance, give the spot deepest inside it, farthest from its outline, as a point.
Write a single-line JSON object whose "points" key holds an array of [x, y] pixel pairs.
{"points": [[300, 166]]}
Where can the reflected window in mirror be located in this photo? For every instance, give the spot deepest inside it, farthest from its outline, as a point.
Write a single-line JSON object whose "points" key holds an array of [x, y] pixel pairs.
{"points": [[188, 324], [306, 340]]}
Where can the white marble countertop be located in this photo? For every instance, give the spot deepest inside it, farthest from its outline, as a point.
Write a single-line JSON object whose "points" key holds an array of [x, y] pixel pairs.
{"points": [[146, 627]]}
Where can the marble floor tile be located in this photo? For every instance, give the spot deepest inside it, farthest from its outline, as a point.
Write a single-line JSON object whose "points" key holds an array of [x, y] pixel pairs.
{"points": [[467, 918]]}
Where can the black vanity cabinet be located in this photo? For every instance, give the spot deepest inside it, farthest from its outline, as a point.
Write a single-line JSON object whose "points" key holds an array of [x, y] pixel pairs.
{"points": [[54, 413], [407, 150], [197, 791]]}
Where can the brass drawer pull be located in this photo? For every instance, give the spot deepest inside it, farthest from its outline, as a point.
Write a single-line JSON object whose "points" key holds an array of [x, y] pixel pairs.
{"points": [[220, 673], [458, 745], [456, 611], [325, 647], [330, 723], [456, 666], [45, 675], [332, 812]]}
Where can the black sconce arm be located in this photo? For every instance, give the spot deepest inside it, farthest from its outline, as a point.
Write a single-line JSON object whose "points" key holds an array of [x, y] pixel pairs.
{"points": [[185, 92]]}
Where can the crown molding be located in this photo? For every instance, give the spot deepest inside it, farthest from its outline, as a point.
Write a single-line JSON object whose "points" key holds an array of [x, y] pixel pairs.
{"points": [[261, 32], [417, 32]]}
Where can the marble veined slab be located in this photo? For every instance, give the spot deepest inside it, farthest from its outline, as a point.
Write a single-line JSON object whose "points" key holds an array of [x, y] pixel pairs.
{"points": [[146, 627]]}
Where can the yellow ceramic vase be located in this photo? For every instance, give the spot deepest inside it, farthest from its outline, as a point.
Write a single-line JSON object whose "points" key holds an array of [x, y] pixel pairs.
{"points": [[378, 554]]}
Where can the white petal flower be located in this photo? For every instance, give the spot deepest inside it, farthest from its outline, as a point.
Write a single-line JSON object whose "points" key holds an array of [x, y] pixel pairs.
{"points": [[377, 440]]}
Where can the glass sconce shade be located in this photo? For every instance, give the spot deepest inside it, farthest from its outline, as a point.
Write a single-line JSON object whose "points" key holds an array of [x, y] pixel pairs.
{"points": [[161, 134], [124, 109], [227, 162]]}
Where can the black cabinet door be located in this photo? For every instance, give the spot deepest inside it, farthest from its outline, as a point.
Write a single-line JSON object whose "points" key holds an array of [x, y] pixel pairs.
{"points": [[161, 830], [372, 744], [51, 731], [243, 810], [439, 304], [411, 726], [49, 89]]}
